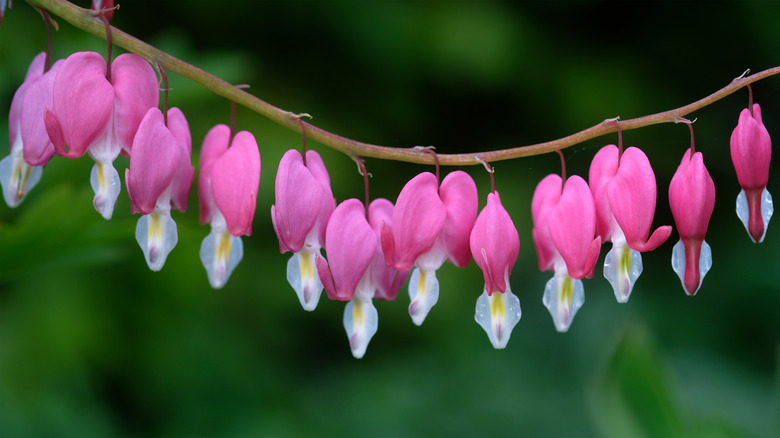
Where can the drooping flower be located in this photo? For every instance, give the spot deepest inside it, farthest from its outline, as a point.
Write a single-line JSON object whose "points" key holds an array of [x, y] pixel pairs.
{"points": [[91, 114], [751, 151], [495, 244], [304, 202], [692, 199], [564, 229], [31, 148], [430, 226], [355, 270], [158, 179], [227, 190], [624, 190]]}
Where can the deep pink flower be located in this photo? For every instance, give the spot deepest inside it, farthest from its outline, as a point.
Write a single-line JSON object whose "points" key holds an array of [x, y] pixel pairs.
{"points": [[565, 225], [30, 145], [91, 114], [351, 244], [355, 269], [304, 202], [229, 179], [495, 244], [751, 152], [625, 187], [624, 190], [564, 228], [227, 190], [418, 218], [430, 226], [158, 179], [692, 199]]}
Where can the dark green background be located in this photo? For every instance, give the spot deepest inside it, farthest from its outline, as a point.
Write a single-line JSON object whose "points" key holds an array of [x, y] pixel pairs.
{"points": [[93, 344]]}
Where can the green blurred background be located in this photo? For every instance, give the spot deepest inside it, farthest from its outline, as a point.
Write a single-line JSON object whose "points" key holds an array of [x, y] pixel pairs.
{"points": [[93, 344]]}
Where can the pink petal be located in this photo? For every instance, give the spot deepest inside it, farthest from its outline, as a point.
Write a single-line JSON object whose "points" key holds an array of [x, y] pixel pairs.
{"points": [[459, 195], [214, 145], [572, 225], [298, 201], [631, 195], [751, 150], [692, 197], [328, 203], [38, 148], [135, 91], [83, 102], [182, 180], [494, 244], [351, 247], [418, 218], [602, 169], [235, 180], [546, 197], [386, 279], [15, 113], [155, 159]]}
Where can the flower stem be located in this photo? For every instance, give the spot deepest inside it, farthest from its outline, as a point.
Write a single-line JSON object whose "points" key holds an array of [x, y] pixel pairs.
{"points": [[84, 19]]}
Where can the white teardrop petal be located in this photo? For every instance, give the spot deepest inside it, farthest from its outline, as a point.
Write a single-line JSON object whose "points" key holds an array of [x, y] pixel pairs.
{"points": [[104, 180], [360, 322], [498, 314], [17, 177], [563, 297], [304, 279], [156, 235], [424, 293], [622, 267], [220, 253]]}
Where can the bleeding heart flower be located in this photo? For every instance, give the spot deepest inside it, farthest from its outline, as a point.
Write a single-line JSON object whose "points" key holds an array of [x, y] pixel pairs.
{"points": [[430, 226], [158, 179], [751, 152], [564, 218], [227, 190], [31, 148], [692, 199], [304, 202], [494, 244], [91, 114], [624, 190], [351, 246]]}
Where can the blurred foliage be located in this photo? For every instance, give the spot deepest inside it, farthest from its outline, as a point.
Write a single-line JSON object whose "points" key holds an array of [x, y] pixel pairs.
{"points": [[93, 344]]}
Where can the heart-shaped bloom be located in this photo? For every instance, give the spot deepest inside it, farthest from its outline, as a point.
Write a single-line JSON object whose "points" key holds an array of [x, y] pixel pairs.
{"points": [[495, 244], [31, 148], [751, 152], [227, 190], [91, 114], [624, 190], [158, 179], [347, 275], [304, 202], [692, 199], [431, 225], [564, 218]]}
